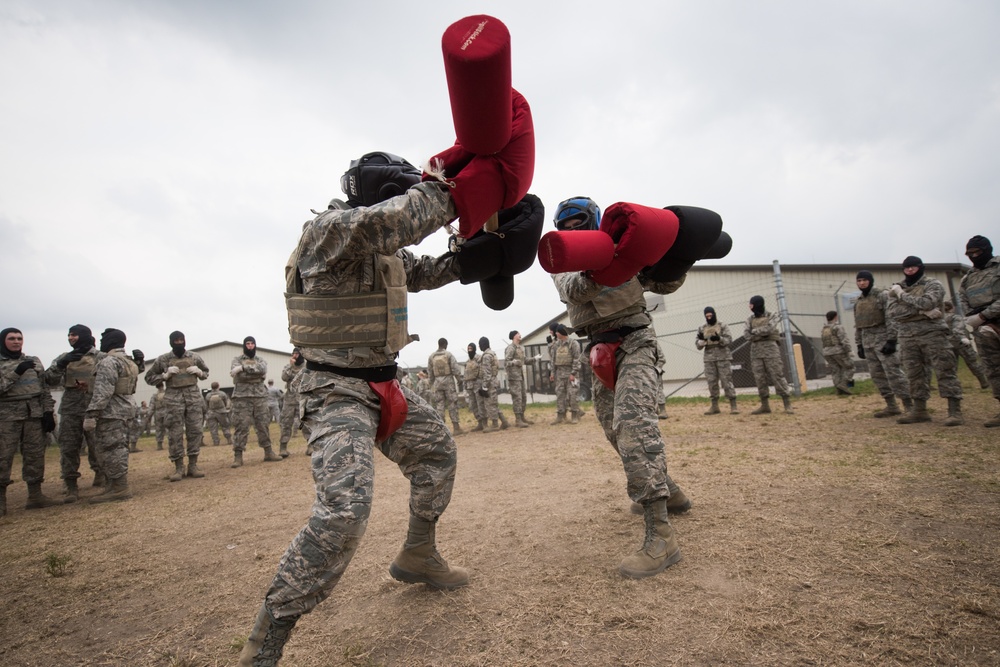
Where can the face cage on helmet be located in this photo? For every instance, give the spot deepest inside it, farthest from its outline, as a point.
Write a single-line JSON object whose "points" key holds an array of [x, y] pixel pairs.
{"points": [[577, 213]]}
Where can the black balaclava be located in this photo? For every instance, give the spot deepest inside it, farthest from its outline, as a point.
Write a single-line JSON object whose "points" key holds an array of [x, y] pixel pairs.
{"points": [[472, 350], [757, 303], [983, 244], [710, 315], [250, 353], [299, 360], [112, 339], [512, 334], [85, 337], [178, 349], [562, 330], [7, 354], [866, 275], [913, 261], [484, 343]]}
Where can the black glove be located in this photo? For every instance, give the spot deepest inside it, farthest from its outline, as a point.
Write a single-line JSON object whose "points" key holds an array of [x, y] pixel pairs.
{"points": [[889, 347], [701, 336], [23, 366], [715, 338], [548, 339], [699, 236], [861, 351], [483, 392], [140, 359], [68, 358], [48, 422]]}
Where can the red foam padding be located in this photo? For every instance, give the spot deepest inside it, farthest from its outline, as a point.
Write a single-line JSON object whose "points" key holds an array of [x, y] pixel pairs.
{"points": [[477, 67], [581, 250], [642, 235]]}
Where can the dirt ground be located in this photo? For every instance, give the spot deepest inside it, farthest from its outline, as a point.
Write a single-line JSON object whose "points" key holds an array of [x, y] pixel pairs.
{"points": [[823, 538]]}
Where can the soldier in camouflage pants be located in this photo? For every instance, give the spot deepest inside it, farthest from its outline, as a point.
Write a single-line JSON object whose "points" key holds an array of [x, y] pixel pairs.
{"points": [[290, 406], [875, 336], [566, 368], [979, 295], [218, 409], [763, 330], [470, 379], [837, 353], [489, 369], [961, 344], [443, 373], [251, 403], [514, 365], [714, 338]]}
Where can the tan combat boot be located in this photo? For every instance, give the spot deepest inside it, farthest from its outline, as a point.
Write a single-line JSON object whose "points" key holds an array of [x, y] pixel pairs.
{"points": [[178, 473], [193, 470], [117, 490], [519, 420], [237, 459], [786, 401], [283, 450], [659, 548], [525, 419], [456, 429], [269, 455], [560, 418], [954, 412], [891, 408], [917, 414], [765, 407], [994, 422], [480, 425], [733, 408], [491, 426], [714, 409], [420, 563], [266, 642], [72, 491], [38, 500], [503, 422]]}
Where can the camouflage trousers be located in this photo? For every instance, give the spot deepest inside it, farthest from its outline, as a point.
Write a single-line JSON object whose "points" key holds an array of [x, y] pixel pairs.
{"points": [[490, 406], [251, 410], [719, 372], [768, 371], [477, 403], [110, 439], [160, 429], [216, 421], [515, 382], [972, 360], [183, 414], [886, 372], [72, 441], [289, 416], [989, 352], [841, 369], [628, 416], [340, 430], [930, 349], [567, 396], [445, 399], [25, 436]]}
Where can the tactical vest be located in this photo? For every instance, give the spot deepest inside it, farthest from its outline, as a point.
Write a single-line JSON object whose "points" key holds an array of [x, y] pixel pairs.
{"points": [[868, 313], [125, 385], [489, 361], [983, 287], [763, 321], [182, 379], [472, 369], [563, 355], [28, 385], [829, 340], [376, 319], [80, 371], [216, 402], [713, 330], [916, 316], [616, 302], [439, 362], [244, 378]]}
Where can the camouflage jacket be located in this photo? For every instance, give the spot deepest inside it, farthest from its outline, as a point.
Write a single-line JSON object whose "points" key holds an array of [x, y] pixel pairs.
{"points": [[489, 368], [980, 287], [155, 373], [105, 402], [30, 384], [288, 374], [715, 350], [909, 308], [75, 399], [589, 303], [249, 377]]}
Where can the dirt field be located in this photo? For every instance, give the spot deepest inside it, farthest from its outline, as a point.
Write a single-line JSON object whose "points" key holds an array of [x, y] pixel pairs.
{"points": [[823, 538]]}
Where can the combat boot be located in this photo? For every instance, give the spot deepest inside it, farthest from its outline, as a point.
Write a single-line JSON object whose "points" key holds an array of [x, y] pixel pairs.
{"points": [[178, 473], [269, 455], [575, 417], [72, 491], [38, 500], [661, 411], [907, 404], [492, 426], [480, 425], [765, 407], [193, 470], [99, 479], [954, 412], [994, 422], [283, 450], [525, 419], [159, 446], [714, 409], [117, 490], [504, 424], [678, 503], [420, 563], [560, 418], [733, 408], [134, 448], [786, 401], [891, 408], [519, 420], [917, 414], [237, 458], [266, 642], [456, 429], [659, 548]]}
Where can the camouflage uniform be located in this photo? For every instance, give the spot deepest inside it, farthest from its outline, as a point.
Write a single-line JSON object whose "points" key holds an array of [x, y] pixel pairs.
{"points": [[489, 370], [566, 363], [765, 356], [873, 327], [443, 373], [274, 400], [290, 405], [340, 253], [979, 293], [114, 408], [76, 378], [924, 339], [718, 358], [514, 365], [158, 415], [183, 407], [837, 352], [423, 389], [218, 409], [251, 403], [477, 403], [23, 400], [962, 345]]}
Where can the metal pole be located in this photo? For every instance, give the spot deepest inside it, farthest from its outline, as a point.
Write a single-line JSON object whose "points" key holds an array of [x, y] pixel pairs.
{"points": [[786, 327]]}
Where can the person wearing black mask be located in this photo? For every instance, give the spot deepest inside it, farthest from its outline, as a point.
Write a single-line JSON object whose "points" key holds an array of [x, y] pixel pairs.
{"points": [[184, 409], [74, 372], [763, 330], [290, 406], [979, 294], [250, 403], [26, 415], [489, 368], [714, 338], [875, 337], [470, 379], [917, 305]]}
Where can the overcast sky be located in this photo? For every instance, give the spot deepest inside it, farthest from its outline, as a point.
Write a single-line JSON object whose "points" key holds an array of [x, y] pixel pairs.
{"points": [[158, 158]]}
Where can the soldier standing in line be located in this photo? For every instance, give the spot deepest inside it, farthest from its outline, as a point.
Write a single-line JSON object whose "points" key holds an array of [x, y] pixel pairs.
{"points": [[274, 399], [290, 404], [962, 344], [218, 409], [477, 405], [183, 406], [514, 365], [423, 387], [875, 336], [26, 408], [837, 352], [158, 414], [979, 294], [565, 369], [144, 419], [916, 305], [74, 371], [714, 338], [489, 371], [763, 329], [110, 412], [250, 403], [443, 373]]}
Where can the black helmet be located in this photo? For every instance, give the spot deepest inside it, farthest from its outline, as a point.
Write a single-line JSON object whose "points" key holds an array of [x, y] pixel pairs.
{"points": [[375, 177], [577, 213]]}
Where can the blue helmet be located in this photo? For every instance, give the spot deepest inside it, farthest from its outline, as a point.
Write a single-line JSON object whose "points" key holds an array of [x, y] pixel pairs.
{"points": [[577, 213]]}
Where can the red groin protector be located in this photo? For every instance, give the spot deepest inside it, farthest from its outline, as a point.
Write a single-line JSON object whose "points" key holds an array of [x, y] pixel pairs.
{"points": [[580, 250]]}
